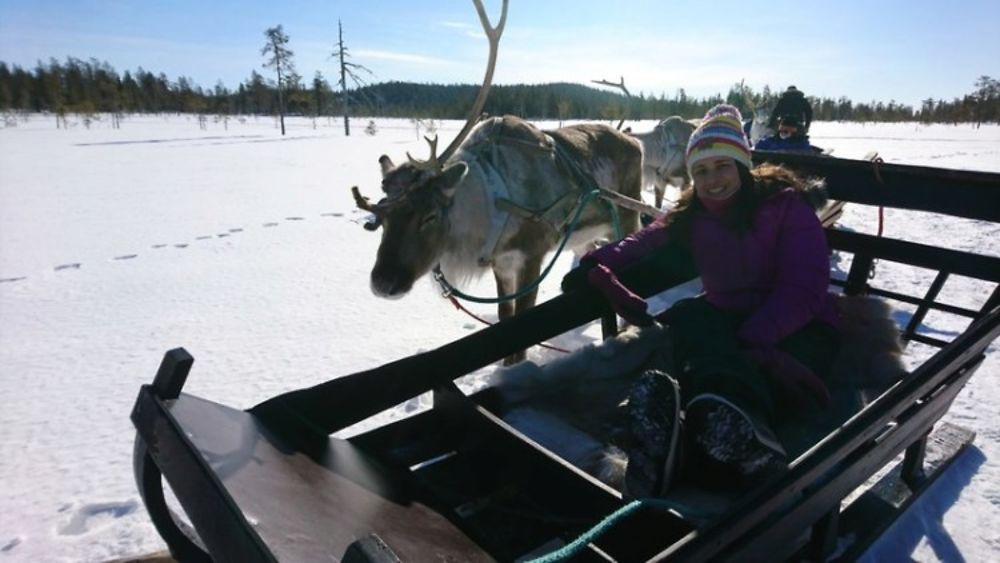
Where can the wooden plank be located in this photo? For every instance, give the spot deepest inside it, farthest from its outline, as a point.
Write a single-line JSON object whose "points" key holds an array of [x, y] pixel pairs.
{"points": [[973, 195], [920, 255], [220, 522], [156, 557], [313, 506], [831, 213]]}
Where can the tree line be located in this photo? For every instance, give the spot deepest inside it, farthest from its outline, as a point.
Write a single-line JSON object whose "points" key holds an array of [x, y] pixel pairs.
{"points": [[92, 86]]}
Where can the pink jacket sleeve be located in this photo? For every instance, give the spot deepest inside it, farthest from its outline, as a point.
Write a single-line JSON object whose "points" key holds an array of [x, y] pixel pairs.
{"points": [[801, 281], [629, 250]]}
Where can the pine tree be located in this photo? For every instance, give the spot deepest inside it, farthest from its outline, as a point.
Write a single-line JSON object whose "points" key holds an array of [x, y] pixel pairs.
{"points": [[281, 60]]}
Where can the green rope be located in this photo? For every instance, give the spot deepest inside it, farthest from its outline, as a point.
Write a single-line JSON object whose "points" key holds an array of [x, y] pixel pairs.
{"points": [[449, 289], [573, 548]]}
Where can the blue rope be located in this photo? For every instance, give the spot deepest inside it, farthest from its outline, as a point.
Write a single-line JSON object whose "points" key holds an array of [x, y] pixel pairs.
{"points": [[449, 289], [573, 548]]}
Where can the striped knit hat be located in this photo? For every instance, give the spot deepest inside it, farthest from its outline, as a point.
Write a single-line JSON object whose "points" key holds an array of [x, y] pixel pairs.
{"points": [[720, 134]]}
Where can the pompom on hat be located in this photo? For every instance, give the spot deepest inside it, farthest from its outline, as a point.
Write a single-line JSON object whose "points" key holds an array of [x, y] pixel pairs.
{"points": [[720, 134]]}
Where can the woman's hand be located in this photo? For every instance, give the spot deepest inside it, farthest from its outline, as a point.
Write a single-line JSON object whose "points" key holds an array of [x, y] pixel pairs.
{"points": [[627, 304], [797, 383]]}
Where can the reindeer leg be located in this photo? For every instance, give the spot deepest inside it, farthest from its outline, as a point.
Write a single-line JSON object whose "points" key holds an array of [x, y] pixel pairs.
{"points": [[528, 273], [505, 286], [532, 269], [660, 188]]}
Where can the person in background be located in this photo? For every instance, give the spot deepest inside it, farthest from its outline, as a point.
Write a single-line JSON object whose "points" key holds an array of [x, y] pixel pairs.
{"points": [[755, 347], [790, 137], [792, 102]]}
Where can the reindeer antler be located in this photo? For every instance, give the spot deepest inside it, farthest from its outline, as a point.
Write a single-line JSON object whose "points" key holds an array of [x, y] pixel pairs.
{"points": [[747, 98], [430, 163], [365, 204], [361, 201], [493, 36], [621, 85]]}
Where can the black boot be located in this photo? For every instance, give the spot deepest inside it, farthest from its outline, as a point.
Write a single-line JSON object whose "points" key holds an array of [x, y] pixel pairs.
{"points": [[726, 434], [653, 428]]}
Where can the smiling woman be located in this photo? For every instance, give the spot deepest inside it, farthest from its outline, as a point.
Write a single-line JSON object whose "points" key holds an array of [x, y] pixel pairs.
{"points": [[755, 349]]}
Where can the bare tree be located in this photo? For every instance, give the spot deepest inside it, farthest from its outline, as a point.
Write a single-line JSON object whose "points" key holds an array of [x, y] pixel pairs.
{"points": [[347, 70], [281, 60]]}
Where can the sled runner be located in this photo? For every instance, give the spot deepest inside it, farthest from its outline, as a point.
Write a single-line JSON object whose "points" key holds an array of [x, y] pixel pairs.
{"points": [[457, 482]]}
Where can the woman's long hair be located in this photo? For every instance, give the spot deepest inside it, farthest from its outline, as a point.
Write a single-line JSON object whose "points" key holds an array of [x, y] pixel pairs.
{"points": [[756, 186]]}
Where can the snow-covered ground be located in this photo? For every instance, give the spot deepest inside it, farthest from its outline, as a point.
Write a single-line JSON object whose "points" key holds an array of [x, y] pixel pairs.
{"points": [[245, 248]]}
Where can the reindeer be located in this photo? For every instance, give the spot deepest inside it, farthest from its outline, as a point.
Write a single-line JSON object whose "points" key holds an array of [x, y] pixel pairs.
{"points": [[498, 198], [759, 127], [663, 155]]}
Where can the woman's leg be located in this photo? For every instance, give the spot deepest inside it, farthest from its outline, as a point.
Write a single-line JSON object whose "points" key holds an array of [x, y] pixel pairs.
{"points": [[709, 358], [728, 402], [816, 346]]}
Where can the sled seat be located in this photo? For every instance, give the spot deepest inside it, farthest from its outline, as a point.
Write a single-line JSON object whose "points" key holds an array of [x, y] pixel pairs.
{"points": [[452, 483], [265, 499]]}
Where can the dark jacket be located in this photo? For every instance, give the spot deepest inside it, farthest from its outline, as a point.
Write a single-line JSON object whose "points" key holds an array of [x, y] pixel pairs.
{"points": [[798, 143]]}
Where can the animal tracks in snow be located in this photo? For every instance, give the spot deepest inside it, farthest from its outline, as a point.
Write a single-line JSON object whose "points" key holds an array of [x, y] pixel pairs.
{"points": [[9, 545], [91, 516], [183, 245]]}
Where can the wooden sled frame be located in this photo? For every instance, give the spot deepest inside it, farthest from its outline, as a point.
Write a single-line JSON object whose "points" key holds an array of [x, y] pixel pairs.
{"points": [[458, 480]]}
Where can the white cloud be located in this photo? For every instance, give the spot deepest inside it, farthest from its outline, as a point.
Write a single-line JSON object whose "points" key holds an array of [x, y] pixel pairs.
{"points": [[399, 57]]}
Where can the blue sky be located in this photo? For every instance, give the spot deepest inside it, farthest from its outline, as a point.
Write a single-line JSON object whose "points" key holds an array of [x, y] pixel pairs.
{"points": [[866, 50]]}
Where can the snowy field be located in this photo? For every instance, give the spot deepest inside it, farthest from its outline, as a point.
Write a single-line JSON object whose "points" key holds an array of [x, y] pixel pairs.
{"points": [[245, 248]]}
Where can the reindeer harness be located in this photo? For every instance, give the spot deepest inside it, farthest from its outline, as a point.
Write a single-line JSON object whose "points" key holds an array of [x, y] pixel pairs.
{"points": [[485, 156]]}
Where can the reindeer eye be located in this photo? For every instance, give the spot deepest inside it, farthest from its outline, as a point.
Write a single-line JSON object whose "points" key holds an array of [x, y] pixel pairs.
{"points": [[428, 219]]}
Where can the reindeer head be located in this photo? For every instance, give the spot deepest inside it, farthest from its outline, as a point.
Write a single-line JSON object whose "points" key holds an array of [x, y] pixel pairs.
{"points": [[414, 221], [414, 213], [676, 132], [759, 127]]}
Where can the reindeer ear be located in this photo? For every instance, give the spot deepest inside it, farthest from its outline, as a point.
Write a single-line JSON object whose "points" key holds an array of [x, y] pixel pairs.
{"points": [[450, 177], [386, 164]]}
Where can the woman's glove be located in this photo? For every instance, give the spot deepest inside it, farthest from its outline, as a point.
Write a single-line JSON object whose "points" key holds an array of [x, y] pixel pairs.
{"points": [[627, 304], [798, 383], [577, 277]]}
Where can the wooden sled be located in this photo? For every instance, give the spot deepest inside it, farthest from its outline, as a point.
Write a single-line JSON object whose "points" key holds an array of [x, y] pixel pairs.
{"points": [[457, 483]]}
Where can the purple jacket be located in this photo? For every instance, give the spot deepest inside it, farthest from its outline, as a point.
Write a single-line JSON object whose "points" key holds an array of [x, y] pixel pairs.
{"points": [[778, 272]]}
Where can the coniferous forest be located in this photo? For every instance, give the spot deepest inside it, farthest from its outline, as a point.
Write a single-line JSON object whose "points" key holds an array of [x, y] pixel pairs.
{"points": [[90, 86]]}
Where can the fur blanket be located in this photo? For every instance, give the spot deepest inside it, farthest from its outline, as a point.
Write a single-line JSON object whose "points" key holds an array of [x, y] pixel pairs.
{"points": [[571, 405]]}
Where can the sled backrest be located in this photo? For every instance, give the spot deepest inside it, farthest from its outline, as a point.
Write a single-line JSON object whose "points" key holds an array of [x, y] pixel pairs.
{"points": [[863, 278]]}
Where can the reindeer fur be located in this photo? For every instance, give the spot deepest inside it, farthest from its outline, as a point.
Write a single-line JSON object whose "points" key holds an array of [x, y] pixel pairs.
{"points": [[534, 180], [663, 155]]}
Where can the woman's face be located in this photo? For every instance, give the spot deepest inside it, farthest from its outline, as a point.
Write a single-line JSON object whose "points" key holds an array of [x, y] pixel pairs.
{"points": [[716, 178]]}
